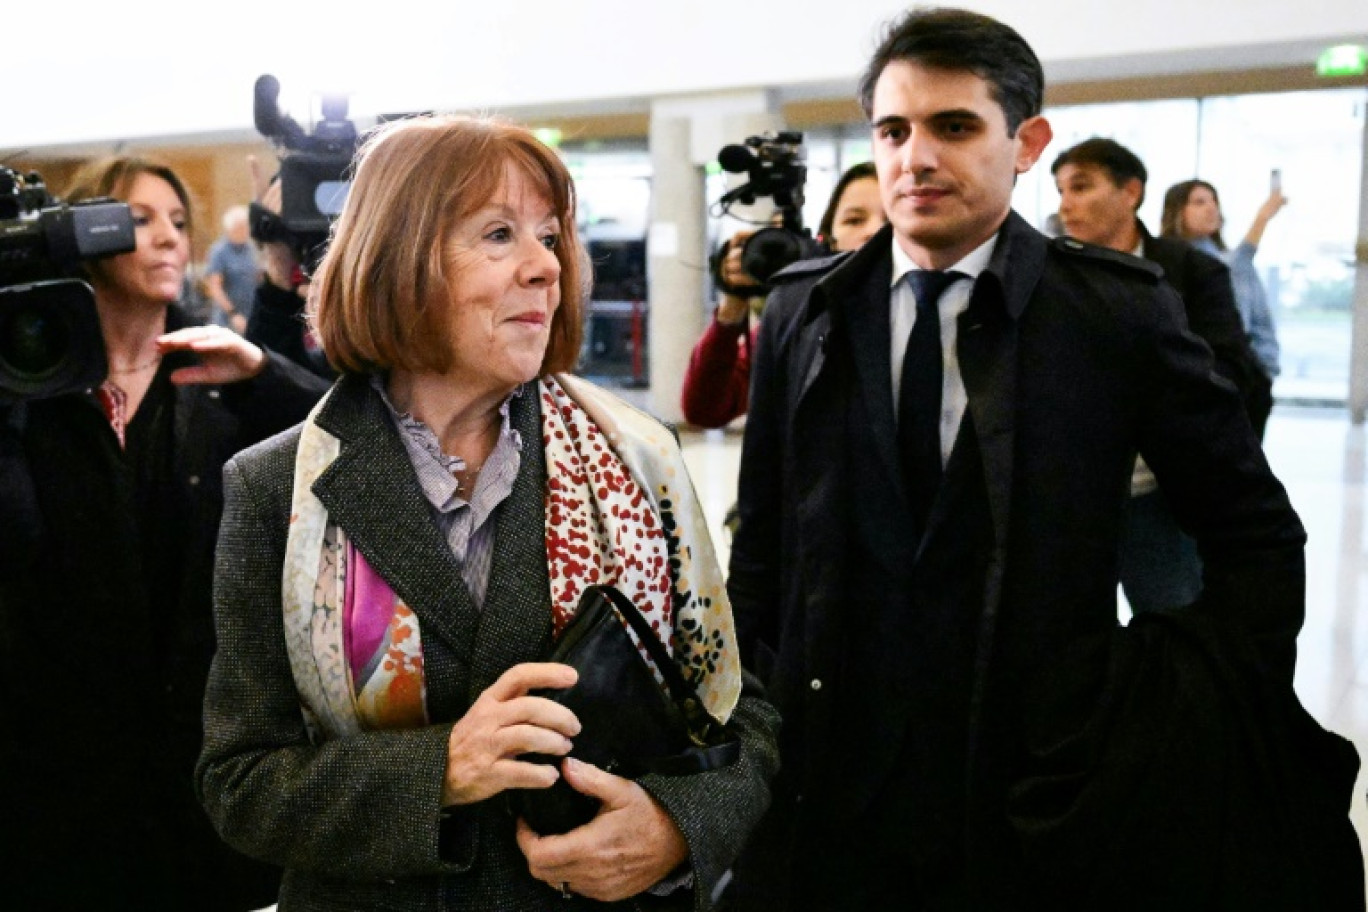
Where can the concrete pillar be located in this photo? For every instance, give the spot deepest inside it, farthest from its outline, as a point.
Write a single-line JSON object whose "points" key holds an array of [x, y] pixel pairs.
{"points": [[1358, 355], [685, 136]]}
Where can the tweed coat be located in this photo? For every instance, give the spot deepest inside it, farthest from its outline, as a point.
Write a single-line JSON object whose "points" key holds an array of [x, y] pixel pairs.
{"points": [[357, 821], [1088, 770]]}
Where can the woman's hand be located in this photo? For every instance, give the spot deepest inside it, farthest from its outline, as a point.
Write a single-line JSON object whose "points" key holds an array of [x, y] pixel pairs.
{"points": [[630, 846], [225, 357], [503, 724]]}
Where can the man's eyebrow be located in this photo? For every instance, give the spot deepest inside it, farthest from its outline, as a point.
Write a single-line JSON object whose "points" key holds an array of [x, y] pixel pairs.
{"points": [[949, 114], [956, 114]]}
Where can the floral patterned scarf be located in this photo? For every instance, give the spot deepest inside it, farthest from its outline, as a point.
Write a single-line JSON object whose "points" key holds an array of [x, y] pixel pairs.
{"points": [[620, 509]]}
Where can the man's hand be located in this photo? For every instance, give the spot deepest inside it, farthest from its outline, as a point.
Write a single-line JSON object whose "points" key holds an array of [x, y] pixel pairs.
{"points": [[630, 846]]}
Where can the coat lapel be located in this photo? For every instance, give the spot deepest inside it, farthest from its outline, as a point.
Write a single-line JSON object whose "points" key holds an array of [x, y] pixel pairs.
{"points": [[515, 625], [859, 294], [371, 492]]}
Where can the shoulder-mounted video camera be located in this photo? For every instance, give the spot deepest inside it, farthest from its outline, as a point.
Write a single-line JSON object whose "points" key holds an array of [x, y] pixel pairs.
{"points": [[775, 166], [314, 179], [50, 341]]}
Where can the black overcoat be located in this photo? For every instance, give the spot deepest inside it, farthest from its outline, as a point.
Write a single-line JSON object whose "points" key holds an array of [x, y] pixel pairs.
{"points": [[1106, 767]]}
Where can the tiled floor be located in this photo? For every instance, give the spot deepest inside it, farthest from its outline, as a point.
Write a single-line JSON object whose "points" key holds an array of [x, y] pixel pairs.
{"points": [[1320, 458]]}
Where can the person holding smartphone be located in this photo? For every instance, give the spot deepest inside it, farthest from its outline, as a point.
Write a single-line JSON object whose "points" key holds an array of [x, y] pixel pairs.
{"points": [[1192, 212]]}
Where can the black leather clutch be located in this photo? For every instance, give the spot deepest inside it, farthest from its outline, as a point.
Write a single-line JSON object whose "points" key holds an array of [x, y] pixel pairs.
{"points": [[629, 726]]}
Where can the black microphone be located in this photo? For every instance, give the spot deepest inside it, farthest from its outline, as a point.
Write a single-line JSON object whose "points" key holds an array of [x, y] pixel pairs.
{"points": [[736, 159], [266, 106]]}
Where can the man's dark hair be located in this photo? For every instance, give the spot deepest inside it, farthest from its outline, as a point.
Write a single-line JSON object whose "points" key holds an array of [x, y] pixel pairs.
{"points": [[1120, 163], [955, 39]]}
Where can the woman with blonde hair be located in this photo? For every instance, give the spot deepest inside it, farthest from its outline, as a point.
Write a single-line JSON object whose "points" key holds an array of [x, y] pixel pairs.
{"points": [[106, 631]]}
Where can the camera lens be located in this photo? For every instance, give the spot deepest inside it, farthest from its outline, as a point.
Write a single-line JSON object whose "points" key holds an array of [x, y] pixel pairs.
{"points": [[34, 342], [770, 250]]}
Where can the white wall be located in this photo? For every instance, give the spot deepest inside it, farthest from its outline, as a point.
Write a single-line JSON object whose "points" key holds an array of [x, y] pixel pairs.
{"points": [[87, 70]]}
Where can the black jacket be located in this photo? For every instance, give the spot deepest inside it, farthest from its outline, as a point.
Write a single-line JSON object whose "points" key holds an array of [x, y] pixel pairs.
{"points": [[1203, 284], [1075, 793], [105, 644]]}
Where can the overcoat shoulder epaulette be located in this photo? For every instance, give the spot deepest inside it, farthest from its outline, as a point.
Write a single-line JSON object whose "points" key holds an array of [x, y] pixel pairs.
{"points": [[807, 268], [1106, 256]]}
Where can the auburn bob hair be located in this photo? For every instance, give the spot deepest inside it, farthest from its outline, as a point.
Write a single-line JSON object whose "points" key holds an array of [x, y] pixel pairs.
{"points": [[381, 294]]}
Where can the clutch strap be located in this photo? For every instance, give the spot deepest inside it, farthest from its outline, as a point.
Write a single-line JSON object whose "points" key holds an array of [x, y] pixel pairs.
{"points": [[715, 746]]}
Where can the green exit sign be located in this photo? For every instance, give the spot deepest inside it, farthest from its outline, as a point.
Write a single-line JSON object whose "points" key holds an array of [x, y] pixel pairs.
{"points": [[550, 136], [1343, 60]]}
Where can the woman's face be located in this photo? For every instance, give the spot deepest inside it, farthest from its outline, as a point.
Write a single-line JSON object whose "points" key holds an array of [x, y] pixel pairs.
{"points": [[505, 286], [859, 214], [1201, 214], [153, 271]]}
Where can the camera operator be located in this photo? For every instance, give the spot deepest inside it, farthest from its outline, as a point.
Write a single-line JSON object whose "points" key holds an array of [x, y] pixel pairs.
{"points": [[717, 382], [277, 320], [105, 600]]}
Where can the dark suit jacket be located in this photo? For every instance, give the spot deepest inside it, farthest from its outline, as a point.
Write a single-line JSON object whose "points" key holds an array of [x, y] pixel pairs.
{"points": [[1074, 359], [1203, 284], [356, 820]]}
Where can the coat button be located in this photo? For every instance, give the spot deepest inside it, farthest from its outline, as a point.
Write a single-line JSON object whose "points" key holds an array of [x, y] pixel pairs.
{"points": [[194, 480], [816, 684]]}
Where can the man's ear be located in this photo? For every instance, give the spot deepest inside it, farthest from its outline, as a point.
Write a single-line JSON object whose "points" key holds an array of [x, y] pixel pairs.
{"points": [[1135, 192], [1033, 135]]}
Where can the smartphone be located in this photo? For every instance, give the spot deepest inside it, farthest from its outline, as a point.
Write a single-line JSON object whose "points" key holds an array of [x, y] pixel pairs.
{"points": [[1275, 180]]}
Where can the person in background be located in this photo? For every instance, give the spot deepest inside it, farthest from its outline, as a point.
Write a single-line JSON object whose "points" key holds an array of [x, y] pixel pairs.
{"points": [[717, 381], [106, 631], [232, 272], [278, 316], [1192, 212], [390, 572], [1101, 186]]}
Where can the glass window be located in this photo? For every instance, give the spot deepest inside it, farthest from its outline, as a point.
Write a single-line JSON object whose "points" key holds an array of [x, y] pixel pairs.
{"points": [[1315, 139]]}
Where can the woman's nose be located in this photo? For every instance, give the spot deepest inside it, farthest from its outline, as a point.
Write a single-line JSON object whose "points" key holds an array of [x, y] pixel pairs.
{"points": [[541, 267]]}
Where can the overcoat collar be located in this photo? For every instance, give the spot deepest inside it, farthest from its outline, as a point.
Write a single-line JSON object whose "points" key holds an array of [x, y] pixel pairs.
{"points": [[854, 297], [370, 491]]}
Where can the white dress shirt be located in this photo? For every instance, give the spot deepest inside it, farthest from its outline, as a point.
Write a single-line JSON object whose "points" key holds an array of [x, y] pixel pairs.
{"points": [[902, 316]]}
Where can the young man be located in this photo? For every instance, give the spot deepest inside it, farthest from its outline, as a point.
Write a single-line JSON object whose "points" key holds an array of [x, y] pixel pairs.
{"points": [[925, 571], [1101, 186]]}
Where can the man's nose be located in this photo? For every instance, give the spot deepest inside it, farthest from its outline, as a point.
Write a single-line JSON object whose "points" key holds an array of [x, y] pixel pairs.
{"points": [[919, 151]]}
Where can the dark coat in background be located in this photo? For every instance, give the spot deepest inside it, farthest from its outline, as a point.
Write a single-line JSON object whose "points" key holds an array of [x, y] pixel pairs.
{"points": [[1203, 284], [1165, 765], [105, 644], [356, 820]]}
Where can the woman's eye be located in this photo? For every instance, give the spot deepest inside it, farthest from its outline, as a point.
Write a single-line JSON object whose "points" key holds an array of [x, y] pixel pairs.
{"points": [[551, 241], [499, 235]]}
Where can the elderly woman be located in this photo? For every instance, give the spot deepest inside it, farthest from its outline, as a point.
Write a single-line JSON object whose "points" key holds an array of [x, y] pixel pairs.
{"points": [[390, 572]]}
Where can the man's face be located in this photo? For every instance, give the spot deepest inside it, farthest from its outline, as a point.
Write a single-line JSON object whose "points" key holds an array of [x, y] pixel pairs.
{"points": [[946, 164], [1095, 209]]}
